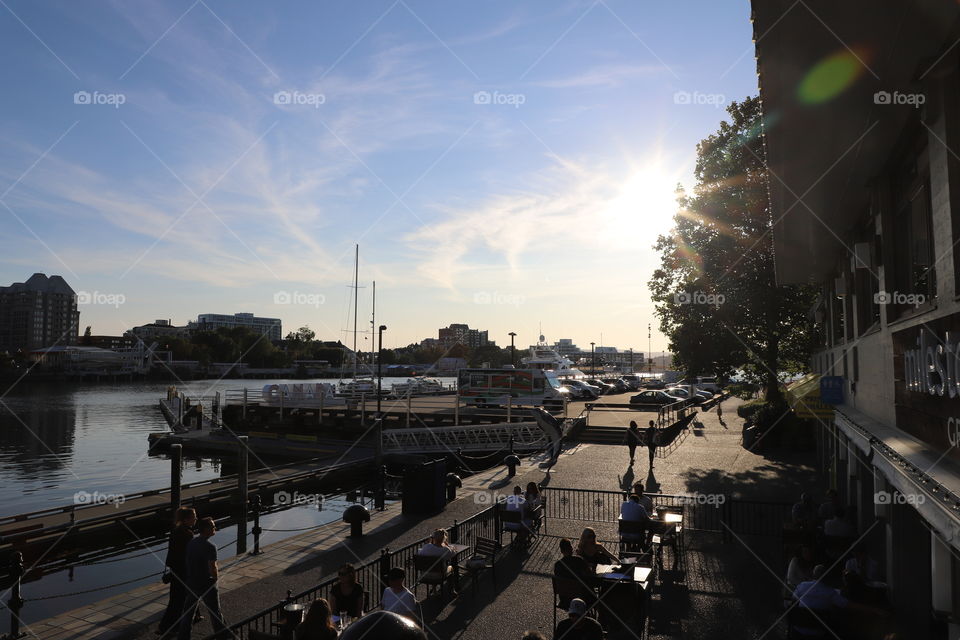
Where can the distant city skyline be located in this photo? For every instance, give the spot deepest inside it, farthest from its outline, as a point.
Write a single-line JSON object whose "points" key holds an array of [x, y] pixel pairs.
{"points": [[501, 166]]}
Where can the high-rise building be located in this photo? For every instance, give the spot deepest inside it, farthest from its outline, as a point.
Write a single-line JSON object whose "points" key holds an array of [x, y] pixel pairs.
{"points": [[40, 312], [213, 321]]}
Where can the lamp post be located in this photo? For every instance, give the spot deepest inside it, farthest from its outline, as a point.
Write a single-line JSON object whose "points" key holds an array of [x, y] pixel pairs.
{"points": [[649, 353], [513, 350], [379, 450], [593, 361]]}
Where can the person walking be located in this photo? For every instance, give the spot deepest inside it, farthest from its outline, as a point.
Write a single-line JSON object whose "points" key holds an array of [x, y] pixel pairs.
{"points": [[720, 411], [653, 435], [202, 576], [633, 439], [176, 566]]}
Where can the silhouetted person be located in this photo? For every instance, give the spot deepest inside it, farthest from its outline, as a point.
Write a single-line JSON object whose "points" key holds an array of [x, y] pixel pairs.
{"points": [[652, 433], [633, 439], [176, 564]]}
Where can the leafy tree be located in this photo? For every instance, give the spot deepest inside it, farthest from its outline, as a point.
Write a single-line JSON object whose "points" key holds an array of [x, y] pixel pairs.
{"points": [[721, 246]]}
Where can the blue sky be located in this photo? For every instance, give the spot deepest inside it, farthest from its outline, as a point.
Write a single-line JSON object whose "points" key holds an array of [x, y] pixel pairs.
{"points": [[502, 164]]}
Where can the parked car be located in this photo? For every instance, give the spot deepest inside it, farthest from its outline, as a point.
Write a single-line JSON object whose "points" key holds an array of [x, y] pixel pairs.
{"points": [[604, 387], [632, 380], [654, 396], [686, 395], [583, 390], [654, 383], [620, 385]]}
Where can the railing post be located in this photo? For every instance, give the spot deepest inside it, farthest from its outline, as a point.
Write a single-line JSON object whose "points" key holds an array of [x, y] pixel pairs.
{"points": [[242, 497], [384, 568], [456, 410], [256, 503], [455, 533], [15, 603], [381, 498], [509, 410], [214, 419], [244, 403], [323, 394], [496, 523], [176, 475]]}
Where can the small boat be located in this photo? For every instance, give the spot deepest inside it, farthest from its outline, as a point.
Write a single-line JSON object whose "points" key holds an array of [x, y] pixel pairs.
{"points": [[543, 356]]}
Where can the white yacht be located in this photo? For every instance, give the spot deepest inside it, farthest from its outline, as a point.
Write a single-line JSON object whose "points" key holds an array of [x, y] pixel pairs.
{"points": [[545, 357], [417, 386]]}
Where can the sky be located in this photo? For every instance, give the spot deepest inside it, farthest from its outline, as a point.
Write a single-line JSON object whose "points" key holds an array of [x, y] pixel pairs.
{"points": [[507, 165]]}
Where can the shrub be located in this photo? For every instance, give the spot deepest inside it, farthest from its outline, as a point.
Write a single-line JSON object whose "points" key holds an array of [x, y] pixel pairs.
{"points": [[748, 410]]}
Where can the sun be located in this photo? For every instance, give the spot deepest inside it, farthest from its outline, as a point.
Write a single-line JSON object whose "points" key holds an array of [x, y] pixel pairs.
{"points": [[644, 203]]}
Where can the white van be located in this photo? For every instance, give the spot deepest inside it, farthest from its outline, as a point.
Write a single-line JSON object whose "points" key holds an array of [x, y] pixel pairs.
{"points": [[708, 383]]}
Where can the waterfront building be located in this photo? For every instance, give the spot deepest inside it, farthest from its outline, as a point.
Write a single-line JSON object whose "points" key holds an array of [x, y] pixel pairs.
{"points": [[864, 185], [38, 313], [463, 334], [158, 330], [213, 321]]}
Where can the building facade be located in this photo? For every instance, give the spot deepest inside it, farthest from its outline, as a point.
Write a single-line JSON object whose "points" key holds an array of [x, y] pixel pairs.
{"points": [[40, 312], [462, 334], [158, 330], [864, 184], [271, 327]]}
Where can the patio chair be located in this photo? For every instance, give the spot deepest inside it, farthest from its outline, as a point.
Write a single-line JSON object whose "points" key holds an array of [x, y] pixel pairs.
{"points": [[565, 590], [484, 557], [633, 534], [433, 571], [512, 523]]}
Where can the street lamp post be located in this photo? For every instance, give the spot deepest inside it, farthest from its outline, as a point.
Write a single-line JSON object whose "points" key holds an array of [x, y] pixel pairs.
{"points": [[379, 436], [593, 361], [513, 350], [649, 353]]}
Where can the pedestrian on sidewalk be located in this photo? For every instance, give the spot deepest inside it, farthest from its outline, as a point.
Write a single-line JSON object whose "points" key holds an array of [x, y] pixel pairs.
{"points": [[720, 411], [632, 438], [653, 434], [176, 568], [202, 576]]}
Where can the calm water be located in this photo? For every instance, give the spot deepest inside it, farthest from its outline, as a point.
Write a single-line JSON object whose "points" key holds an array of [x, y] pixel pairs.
{"points": [[58, 439]]}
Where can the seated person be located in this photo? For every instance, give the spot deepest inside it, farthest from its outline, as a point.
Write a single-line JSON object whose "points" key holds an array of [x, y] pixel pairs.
{"points": [[645, 501], [578, 626], [801, 567], [437, 545], [533, 501], [632, 511], [396, 597], [824, 599], [804, 513], [571, 567], [829, 508], [517, 503], [593, 552], [838, 527], [347, 594], [863, 565], [318, 623]]}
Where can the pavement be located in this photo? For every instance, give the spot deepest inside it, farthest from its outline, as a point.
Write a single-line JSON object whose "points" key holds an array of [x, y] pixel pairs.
{"points": [[727, 589]]}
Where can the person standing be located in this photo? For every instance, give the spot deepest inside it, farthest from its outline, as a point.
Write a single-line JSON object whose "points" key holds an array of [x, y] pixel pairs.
{"points": [[720, 410], [652, 437], [633, 439], [202, 576], [176, 565]]}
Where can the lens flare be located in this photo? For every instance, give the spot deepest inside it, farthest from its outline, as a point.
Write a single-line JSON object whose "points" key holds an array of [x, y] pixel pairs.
{"points": [[830, 77]]}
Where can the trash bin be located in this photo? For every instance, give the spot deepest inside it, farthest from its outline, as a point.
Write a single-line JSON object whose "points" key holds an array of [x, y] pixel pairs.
{"points": [[424, 488]]}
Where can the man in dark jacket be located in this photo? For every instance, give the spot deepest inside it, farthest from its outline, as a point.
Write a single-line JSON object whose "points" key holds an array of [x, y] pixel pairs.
{"points": [[176, 564]]}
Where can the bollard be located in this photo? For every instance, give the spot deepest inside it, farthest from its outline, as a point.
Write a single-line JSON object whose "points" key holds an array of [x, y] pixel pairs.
{"points": [[242, 495], [256, 503], [380, 500], [355, 515], [512, 463], [176, 475], [453, 481], [15, 603]]}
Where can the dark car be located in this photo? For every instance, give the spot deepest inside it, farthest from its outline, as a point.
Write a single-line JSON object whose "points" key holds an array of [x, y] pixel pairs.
{"points": [[605, 388], [618, 384], [654, 396], [683, 393]]}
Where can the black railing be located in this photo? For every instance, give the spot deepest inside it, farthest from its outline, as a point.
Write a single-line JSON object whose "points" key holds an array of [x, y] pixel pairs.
{"points": [[715, 513], [371, 574]]}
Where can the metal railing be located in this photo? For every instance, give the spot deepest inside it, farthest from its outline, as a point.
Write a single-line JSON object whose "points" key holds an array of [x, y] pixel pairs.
{"points": [[370, 574]]}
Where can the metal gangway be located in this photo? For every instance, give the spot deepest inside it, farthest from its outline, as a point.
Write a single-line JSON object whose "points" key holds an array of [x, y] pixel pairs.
{"points": [[525, 437]]}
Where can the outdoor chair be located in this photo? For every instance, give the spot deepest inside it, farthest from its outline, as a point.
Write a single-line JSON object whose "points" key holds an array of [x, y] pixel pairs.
{"points": [[633, 534], [433, 571], [484, 557], [512, 523], [814, 624]]}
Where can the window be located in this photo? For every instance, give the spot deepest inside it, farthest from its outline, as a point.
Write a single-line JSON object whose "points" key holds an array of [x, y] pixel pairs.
{"points": [[914, 275]]}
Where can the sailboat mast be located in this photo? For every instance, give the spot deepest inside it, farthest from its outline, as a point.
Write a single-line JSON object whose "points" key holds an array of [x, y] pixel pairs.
{"points": [[356, 291], [373, 322]]}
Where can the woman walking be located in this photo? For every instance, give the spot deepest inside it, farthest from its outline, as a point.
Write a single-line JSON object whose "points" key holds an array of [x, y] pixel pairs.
{"points": [[176, 566], [633, 439]]}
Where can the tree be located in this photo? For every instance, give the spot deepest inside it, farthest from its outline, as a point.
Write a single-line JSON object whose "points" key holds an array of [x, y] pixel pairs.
{"points": [[715, 291], [87, 340]]}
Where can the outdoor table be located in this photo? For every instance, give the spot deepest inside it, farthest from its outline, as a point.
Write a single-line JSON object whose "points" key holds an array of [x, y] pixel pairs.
{"points": [[631, 575], [458, 550]]}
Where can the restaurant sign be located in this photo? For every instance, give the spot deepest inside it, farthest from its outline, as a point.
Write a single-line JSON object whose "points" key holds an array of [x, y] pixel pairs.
{"points": [[926, 365]]}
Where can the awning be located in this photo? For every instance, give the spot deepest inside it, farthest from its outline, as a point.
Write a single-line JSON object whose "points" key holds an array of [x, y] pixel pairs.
{"points": [[803, 396]]}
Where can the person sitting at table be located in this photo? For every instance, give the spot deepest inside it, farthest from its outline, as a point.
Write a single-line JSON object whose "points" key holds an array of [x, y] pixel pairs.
{"points": [[632, 511], [571, 567], [824, 599], [828, 509], [804, 513], [347, 594], [517, 503], [592, 551], [863, 565], [396, 597], [437, 545], [318, 623], [838, 527], [578, 626], [533, 502], [801, 567]]}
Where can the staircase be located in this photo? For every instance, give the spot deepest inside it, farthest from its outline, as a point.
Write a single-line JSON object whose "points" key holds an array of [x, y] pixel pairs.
{"points": [[603, 435]]}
